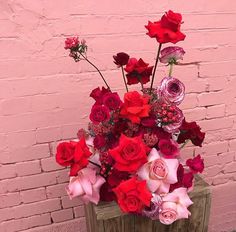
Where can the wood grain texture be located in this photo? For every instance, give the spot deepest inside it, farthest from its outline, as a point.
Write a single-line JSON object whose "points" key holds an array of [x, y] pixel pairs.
{"points": [[107, 217]]}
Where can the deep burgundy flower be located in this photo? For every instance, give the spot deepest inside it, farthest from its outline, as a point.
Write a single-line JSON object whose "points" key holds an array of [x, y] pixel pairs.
{"points": [[106, 193], [98, 94], [138, 71], [196, 164], [192, 131], [167, 29], [168, 148], [112, 101], [99, 114], [116, 177], [99, 141], [121, 59]]}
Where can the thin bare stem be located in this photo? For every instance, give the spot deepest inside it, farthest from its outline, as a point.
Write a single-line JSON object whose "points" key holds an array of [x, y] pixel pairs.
{"points": [[85, 58], [123, 73], [155, 67]]}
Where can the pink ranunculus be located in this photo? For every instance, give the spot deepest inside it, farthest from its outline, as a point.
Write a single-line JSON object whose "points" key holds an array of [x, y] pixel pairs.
{"points": [[71, 42], [172, 90], [159, 172], [172, 54], [175, 206], [174, 127], [86, 185]]}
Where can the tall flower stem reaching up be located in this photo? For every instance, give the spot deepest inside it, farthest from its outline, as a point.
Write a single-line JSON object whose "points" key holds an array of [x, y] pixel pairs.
{"points": [[155, 67], [171, 69], [123, 73], [85, 58]]}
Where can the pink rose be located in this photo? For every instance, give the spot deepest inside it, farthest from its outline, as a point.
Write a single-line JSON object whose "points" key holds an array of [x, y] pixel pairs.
{"points": [[168, 213], [159, 172], [86, 185], [175, 206], [170, 55], [172, 90]]}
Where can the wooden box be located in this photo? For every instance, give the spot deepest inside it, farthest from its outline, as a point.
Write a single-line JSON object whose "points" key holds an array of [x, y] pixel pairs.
{"points": [[107, 217]]}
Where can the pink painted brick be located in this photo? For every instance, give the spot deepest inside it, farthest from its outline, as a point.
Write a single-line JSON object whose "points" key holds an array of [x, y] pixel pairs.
{"points": [[62, 215], [195, 114], [9, 199], [62, 176], [78, 224], [216, 84], [29, 196], [79, 211], [25, 154], [232, 145], [222, 179], [230, 167], [68, 203], [50, 164], [26, 223], [48, 134], [58, 190], [213, 148], [7, 171], [28, 168], [189, 102], [216, 111]]}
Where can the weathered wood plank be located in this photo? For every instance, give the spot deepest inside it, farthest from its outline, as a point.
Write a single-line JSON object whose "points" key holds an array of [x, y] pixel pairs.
{"points": [[107, 217]]}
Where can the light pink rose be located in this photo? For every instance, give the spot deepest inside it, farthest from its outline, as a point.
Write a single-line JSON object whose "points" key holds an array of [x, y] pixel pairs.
{"points": [[159, 172], [175, 206], [86, 185]]}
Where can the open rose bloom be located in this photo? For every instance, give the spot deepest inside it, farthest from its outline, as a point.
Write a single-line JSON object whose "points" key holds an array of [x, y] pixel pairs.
{"points": [[131, 151]]}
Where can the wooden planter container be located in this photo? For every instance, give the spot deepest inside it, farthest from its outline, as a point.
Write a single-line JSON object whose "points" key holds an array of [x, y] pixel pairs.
{"points": [[107, 217]]}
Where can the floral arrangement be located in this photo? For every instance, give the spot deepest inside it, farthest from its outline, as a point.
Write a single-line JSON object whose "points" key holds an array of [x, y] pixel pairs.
{"points": [[130, 152]]}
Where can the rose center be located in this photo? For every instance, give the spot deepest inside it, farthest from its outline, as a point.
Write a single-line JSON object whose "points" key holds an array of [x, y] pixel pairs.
{"points": [[132, 203], [130, 151], [174, 87], [158, 169]]}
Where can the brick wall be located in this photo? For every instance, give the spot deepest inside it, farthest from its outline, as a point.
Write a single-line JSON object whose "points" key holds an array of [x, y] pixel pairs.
{"points": [[44, 97]]}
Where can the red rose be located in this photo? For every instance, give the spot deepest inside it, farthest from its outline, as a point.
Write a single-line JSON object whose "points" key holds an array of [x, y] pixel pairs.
{"points": [[133, 195], [190, 130], [99, 141], [81, 155], [135, 107], [167, 29], [98, 94], [99, 114], [106, 193], [196, 164], [168, 148], [138, 71], [112, 101], [184, 179], [65, 154], [130, 154], [121, 59]]}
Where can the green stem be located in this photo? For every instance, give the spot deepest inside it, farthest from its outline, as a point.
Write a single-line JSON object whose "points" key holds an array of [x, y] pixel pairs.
{"points": [[171, 70], [96, 69], [155, 67], [123, 73], [183, 145]]}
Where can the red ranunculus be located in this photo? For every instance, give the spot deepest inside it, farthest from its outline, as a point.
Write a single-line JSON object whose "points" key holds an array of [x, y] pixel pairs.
{"points": [[138, 71], [99, 141], [167, 29], [65, 153], [121, 59], [135, 107], [133, 195], [71, 42], [99, 114], [81, 155], [196, 164], [192, 131], [168, 148], [130, 154], [98, 94], [112, 101]]}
